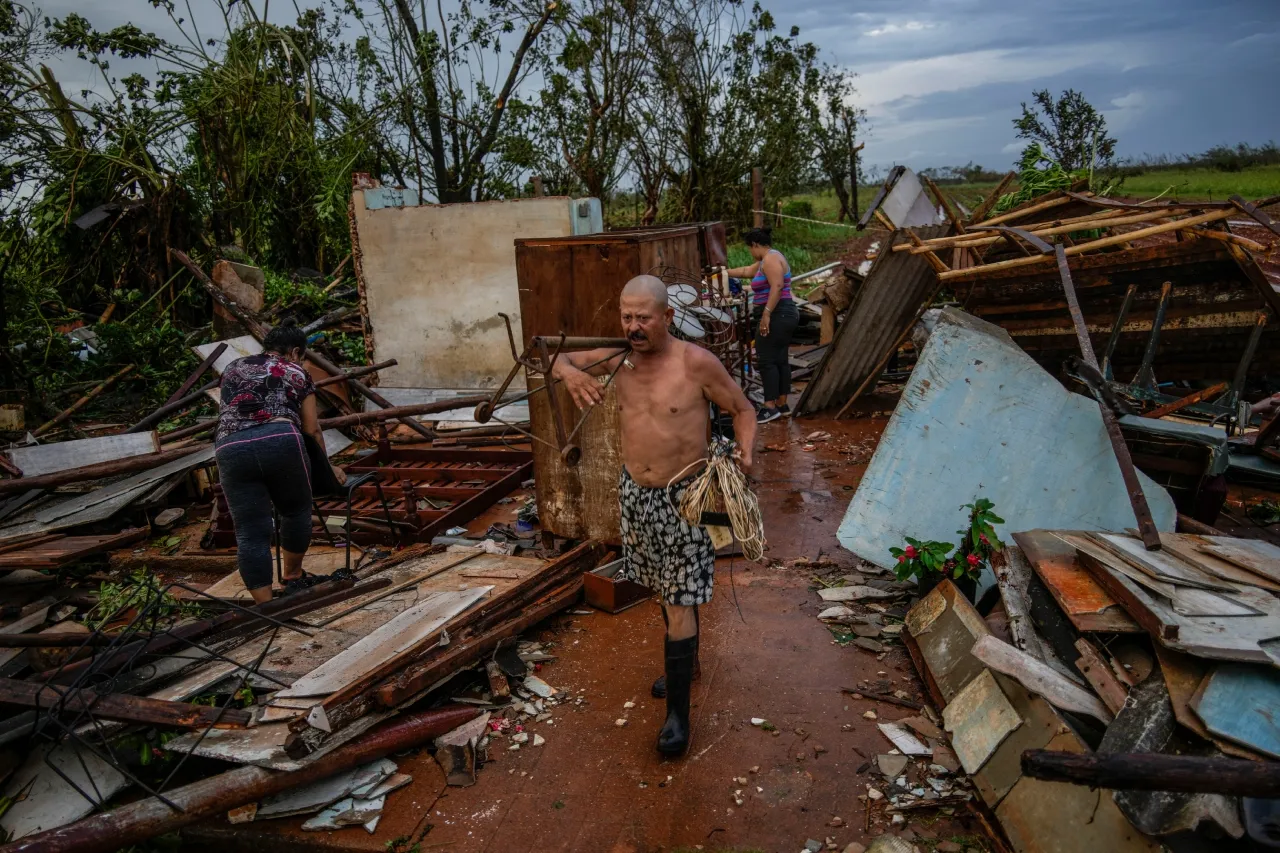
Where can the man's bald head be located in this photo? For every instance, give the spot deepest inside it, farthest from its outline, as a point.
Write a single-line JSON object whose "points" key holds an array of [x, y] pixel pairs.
{"points": [[649, 286], [645, 313]]}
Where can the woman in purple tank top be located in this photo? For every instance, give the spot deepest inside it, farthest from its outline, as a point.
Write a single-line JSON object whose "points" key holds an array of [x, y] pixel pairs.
{"points": [[774, 318]]}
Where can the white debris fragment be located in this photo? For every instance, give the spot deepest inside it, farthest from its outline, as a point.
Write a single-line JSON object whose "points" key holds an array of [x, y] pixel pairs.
{"points": [[539, 740], [539, 687], [837, 612], [874, 794], [628, 705], [758, 721], [869, 715], [520, 737], [620, 722]]}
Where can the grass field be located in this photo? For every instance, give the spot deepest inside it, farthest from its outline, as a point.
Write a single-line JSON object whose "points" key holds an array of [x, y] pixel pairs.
{"points": [[808, 246]]}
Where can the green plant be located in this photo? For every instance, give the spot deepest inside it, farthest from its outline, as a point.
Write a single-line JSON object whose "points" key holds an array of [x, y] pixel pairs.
{"points": [[919, 559], [137, 591], [351, 345], [1264, 512], [978, 541]]}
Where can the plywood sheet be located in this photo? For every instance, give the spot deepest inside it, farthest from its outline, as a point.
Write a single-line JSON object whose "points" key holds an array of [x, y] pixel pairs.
{"points": [[64, 455], [1189, 547], [397, 636], [433, 279], [1183, 675], [1238, 638], [67, 549], [1238, 702], [1086, 604], [1259, 557], [322, 561]]}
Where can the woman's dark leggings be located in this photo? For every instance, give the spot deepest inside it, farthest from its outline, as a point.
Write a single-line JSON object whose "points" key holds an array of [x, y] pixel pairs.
{"points": [[262, 468], [771, 351]]}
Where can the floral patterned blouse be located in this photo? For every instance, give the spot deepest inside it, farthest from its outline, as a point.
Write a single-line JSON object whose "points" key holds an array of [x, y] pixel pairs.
{"points": [[260, 388]]}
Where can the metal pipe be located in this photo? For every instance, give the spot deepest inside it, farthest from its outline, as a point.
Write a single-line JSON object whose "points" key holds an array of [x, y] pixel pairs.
{"points": [[1115, 332], [1146, 377], [136, 822], [402, 413], [357, 372], [568, 344], [177, 405], [811, 273]]}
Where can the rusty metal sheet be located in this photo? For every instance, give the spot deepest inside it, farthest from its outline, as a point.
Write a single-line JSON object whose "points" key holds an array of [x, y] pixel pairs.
{"points": [[895, 287], [1084, 602], [979, 718]]}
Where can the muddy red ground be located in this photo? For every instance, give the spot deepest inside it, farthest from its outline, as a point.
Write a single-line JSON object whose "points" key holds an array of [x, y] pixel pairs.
{"points": [[597, 786]]}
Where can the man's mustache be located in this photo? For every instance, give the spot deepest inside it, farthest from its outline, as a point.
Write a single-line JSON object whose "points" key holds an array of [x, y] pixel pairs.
{"points": [[638, 336]]}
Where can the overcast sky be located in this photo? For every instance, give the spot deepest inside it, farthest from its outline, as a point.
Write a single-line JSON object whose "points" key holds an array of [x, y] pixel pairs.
{"points": [[942, 80]]}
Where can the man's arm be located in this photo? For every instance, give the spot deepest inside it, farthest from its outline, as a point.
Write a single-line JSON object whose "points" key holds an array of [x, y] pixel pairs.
{"points": [[718, 387], [575, 370]]}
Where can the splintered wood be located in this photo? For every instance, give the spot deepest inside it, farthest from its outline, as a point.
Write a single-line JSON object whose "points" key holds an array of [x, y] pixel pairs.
{"points": [[1184, 603]]}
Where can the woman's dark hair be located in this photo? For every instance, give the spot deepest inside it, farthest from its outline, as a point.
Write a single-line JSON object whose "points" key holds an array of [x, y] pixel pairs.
{"points": [[759, 237], [284, 337]]}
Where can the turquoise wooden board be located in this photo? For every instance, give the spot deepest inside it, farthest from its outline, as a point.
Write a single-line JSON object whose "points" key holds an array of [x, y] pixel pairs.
{"points": [[1241, 703]]}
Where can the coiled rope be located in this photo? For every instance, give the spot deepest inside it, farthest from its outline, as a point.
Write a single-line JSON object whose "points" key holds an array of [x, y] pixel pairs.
{"points": [[723, 483]]}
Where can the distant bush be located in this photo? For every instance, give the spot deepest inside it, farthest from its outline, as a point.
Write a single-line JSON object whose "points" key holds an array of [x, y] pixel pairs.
{"points": [[798, 207], [1220, 158], [970, 173]]}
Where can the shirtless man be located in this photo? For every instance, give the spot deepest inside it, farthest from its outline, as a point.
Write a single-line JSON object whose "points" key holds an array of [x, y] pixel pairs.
{"points": [[663, 406]]}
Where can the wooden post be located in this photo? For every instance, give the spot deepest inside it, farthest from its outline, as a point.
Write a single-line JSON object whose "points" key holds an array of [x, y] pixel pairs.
{"points": [[1153, 771], [853, 164], [538, 190], [757, 197]]}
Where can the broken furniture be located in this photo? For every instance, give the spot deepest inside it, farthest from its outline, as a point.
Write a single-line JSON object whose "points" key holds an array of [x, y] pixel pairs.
{"points": [[427, 490], [547, 351]]}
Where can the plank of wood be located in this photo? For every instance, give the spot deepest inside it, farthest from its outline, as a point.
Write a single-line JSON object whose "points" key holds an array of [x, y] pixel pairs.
{"points": [[1183, 675], [1013, 575], [120, 706], [1087, 547], [64, 455], [1086, 604], [1238, 702], [60, 550], [392, 590], [1188, 545], [1100, 676], [1259, 557], [1039, 678], [1238, 638], [402, 632], [1161, 566]]}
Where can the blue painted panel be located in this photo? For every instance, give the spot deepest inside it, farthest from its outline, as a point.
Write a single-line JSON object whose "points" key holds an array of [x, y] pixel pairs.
{"points": [[980, 417], [1241, 703], [380, 197]]}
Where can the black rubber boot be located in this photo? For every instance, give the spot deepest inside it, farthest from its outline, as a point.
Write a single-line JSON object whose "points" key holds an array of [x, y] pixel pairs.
{"points": [[659, 688], [673, 740]]}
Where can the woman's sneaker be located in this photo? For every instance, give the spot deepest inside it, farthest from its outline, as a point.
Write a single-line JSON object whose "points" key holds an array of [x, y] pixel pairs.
{"points": [[767, 414], [784, 410]]}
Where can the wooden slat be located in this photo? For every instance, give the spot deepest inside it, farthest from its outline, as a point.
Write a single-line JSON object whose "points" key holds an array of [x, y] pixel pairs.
{"points": [[58, 551], [118, 706], [1087, 605]]}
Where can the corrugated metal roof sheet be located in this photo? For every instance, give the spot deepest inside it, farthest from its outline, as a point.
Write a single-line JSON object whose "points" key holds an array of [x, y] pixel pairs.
{"points": [[887, 302]]}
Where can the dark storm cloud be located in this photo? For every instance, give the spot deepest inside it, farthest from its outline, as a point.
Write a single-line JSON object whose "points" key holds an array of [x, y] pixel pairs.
{"points": [[942, 81]]}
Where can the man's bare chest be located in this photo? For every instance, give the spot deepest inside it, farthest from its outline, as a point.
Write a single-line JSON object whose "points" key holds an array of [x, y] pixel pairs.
{"points": [[659, 395]]}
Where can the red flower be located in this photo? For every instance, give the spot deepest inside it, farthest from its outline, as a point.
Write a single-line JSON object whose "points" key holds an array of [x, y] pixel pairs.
{"points": [[911, 551], [982, 537], [902, 559], [973, 559]]}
